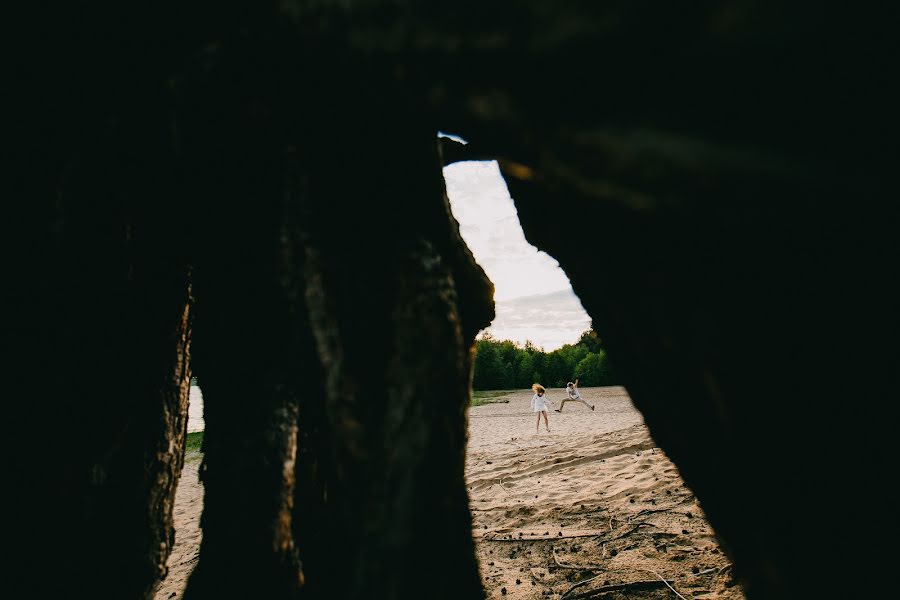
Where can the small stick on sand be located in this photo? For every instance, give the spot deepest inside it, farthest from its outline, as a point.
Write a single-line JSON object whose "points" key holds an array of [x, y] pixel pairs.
{"points": [[626, 533], [547, 538], [536, 578], [674, 591], [634, 585], [578, 585], [645, 511]]}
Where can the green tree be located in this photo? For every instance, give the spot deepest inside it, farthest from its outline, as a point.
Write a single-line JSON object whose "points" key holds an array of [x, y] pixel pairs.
{"points": [[557, 371], [503, 364], [594, 370], [525, 370], [590, 340], [487, 371], [539, 361]]}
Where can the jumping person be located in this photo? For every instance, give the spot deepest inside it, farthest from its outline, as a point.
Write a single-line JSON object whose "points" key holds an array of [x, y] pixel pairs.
{"points": [[572, 395], [539, 405]]}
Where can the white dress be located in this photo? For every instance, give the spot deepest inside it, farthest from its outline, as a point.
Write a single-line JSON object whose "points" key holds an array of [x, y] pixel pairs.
{"points": [[538, 404]]}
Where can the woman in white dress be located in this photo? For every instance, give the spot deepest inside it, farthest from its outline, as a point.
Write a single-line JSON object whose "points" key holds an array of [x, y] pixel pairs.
{"points": [[539, 405]]}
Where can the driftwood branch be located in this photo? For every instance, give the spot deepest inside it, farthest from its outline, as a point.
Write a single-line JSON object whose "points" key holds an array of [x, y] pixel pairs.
{"points": [[649, 584]]}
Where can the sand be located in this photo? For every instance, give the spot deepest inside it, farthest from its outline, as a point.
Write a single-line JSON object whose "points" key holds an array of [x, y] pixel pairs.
{"points": [[593, 501], [188, 505], [595, 498]]}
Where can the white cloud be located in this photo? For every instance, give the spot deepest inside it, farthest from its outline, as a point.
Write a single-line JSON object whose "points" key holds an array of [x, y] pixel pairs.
{"points": [[533, 295], [549, 320]]}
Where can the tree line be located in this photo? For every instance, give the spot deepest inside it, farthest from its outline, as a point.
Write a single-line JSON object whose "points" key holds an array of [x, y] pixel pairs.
{"points": [[504, 364]]}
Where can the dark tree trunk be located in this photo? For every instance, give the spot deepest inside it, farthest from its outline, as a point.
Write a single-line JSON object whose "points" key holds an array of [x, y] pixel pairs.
{"points": [[386, 275], [247, 366], [246, 354], [332, 284], [103, 313]]}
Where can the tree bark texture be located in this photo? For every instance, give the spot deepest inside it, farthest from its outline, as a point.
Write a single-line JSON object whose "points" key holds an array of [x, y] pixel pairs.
{"points": [[336, 309], [100, 314], [384, 286]]}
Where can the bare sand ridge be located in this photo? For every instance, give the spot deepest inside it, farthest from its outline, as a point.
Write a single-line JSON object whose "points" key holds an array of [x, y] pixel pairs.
{"points": [[593, 502]]}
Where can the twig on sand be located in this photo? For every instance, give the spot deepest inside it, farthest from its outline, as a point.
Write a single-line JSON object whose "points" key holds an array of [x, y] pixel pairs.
{"points": [[648, 584], [578, 585], [674, 591], [645, 511], [650, 512], [536, 578], [501, 485], [625, 533], [545, 538], [563, 565]]}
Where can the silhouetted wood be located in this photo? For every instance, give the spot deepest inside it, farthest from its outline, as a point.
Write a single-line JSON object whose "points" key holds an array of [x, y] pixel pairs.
{"points": [[246, 352], [716, 180], [386, 282], [648, 584], [100, 377]]}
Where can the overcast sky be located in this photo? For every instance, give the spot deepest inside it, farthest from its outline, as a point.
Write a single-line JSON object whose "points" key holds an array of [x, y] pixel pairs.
{"points": [[534, 298]]}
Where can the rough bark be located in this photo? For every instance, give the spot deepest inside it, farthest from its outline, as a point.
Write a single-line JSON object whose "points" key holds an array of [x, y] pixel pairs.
{"points": [[384, 309], [349, 278], [101, 320], [246, 355]]}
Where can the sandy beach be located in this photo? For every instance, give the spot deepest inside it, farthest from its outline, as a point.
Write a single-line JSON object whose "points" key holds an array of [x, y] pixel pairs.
{"points": [[594, 502], [188, 505]]}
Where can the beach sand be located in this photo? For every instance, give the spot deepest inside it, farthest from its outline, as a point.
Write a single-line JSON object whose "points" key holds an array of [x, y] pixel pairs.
{"points": [[595, 498], [188, 505]]}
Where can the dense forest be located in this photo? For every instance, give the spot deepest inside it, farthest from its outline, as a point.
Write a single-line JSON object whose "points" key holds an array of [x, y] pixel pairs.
{"points": [[505, 365]]}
